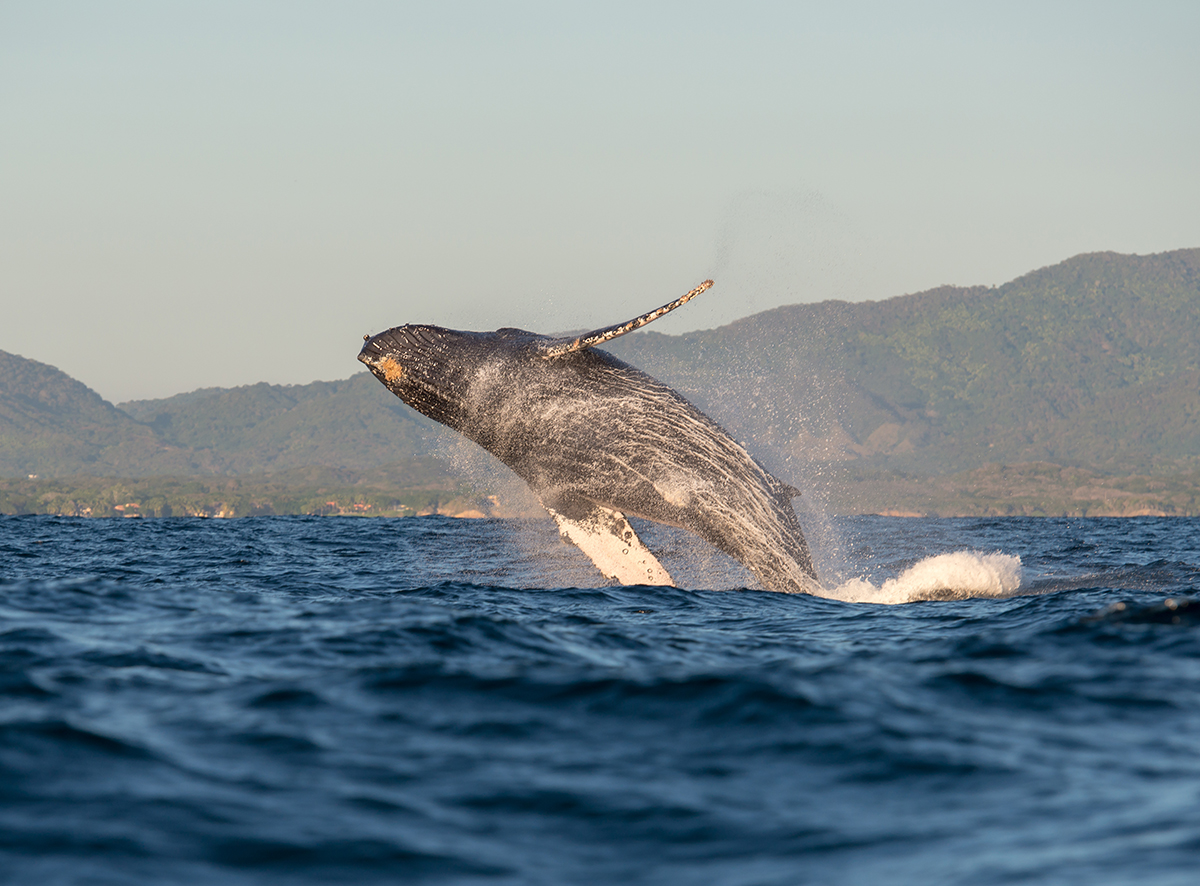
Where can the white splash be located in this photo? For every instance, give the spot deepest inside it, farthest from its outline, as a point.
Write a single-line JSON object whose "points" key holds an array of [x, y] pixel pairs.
{"points": [[957, 576]]}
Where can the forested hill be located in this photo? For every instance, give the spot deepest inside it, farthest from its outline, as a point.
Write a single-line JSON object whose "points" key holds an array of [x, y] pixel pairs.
{"points": [[354, 423], [52, 425], [1094, 362]]}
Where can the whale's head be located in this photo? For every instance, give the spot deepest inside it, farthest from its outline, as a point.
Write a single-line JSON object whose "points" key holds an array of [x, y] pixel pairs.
{"points": [[435, 370], [432, 369]]}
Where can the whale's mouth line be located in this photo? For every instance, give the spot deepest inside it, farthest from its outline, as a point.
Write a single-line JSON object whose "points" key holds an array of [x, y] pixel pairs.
{"points": [[385, 367]]}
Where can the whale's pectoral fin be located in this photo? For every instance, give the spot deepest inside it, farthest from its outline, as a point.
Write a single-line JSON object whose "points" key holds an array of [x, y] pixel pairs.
{"points": [[556, 347], [610, 542]]}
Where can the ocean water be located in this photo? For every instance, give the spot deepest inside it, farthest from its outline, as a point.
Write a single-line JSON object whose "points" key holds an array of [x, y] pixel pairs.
{"points": [[430, 700]]}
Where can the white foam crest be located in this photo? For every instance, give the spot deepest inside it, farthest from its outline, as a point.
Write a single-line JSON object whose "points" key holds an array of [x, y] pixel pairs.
{"points": [[957, 576]]}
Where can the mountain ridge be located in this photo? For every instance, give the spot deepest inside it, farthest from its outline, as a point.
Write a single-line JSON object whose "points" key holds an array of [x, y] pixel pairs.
{"points": [[947, 379], [1093, 362]]}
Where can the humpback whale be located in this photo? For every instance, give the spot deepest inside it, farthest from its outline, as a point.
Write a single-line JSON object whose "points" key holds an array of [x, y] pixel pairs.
{"points": [[597, 441]]}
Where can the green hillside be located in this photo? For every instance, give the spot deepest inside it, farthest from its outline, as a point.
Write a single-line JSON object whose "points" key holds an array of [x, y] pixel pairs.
{"points": [[51, 424], [1092, 362], [355, 423]]}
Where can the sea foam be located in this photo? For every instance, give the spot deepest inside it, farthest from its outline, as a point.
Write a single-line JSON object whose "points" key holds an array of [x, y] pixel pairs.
{"points": [[956, 576]]}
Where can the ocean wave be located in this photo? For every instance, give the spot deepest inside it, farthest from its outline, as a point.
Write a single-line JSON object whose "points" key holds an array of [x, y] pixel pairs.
{"points": [[960, 575]]}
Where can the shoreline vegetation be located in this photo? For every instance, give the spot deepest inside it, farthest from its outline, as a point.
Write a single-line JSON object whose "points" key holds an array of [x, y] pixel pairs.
{"points": [[1035, 489], [316, 492]]}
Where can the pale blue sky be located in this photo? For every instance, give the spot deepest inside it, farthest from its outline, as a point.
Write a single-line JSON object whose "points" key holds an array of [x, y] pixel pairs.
{"points": [[220, 193]]}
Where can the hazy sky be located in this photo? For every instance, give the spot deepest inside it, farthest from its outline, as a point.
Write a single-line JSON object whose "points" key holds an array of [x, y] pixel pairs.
{"points": [[219, 193]]}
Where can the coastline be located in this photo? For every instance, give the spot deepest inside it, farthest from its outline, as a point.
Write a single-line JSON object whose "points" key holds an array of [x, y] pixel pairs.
{"points": [[1036, 489]]}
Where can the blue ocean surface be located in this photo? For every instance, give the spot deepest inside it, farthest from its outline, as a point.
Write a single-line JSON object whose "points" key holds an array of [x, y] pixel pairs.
{"points": [[430, 700]]}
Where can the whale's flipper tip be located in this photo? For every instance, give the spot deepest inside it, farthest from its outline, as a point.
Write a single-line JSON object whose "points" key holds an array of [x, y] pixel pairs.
{"points": [[559, 346]]}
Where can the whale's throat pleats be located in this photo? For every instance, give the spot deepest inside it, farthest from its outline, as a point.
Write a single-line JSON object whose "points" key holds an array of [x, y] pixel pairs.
{"points": [[610, 542]]}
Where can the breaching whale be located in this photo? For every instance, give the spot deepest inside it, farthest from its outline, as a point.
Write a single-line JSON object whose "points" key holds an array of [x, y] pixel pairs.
{"points": [[597, 440]]}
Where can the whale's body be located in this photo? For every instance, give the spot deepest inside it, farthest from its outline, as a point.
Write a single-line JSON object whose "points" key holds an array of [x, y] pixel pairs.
{"points": [[596, 440]]}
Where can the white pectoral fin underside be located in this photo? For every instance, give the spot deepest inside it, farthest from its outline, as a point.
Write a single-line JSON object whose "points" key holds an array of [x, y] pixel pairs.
{"points": [[559, 346], [610, 542]]}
